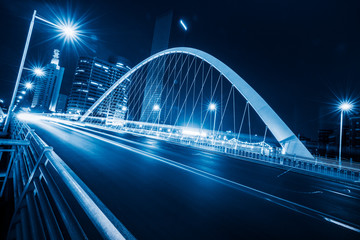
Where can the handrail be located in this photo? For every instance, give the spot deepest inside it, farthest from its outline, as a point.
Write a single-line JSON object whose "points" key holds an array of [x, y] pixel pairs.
{"points": [[44, 186]]}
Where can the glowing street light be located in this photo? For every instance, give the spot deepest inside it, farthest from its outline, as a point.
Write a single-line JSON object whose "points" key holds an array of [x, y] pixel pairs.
{"points": [[39, 72], [67, 31], [344, 107], [23, 92], [212, 107], [28, 85], [156, 108]]}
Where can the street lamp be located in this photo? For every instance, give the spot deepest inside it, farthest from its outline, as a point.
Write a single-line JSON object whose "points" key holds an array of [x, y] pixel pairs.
{"points": [[28, 85], [66, 30], [39, 72], [36, 71], [156, 108], [344, 107], [212, 107]]}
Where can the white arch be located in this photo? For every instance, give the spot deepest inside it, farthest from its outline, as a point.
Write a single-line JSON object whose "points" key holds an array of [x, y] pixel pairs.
{"points": [[287, 139]]}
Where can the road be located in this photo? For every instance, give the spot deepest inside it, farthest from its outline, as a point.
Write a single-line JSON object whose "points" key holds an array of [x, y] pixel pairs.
{"points": [[160, 190]]}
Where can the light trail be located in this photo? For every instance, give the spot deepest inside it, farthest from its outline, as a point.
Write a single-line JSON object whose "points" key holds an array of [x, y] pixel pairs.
{"points": [[255, 192]]}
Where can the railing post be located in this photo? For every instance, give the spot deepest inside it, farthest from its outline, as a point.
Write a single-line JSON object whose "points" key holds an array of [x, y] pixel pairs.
{"points": [[8, 170]]}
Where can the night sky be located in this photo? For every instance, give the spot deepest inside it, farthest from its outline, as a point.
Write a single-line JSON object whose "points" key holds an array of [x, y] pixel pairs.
{"points": [[300, 56]]}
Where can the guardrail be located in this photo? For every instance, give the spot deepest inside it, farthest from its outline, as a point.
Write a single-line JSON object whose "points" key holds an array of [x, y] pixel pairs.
{"points": [[51, 202], [318, 166]]}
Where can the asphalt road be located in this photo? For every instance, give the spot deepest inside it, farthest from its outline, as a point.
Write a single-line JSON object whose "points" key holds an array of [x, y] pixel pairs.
{"points": [[160, 190]]}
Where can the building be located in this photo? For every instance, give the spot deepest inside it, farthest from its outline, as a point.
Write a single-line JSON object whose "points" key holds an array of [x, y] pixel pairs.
{"points": [[61, 104], [311, 145], [47, 87], [154, 82], [93, 76], [354, 132], [327, 141]]}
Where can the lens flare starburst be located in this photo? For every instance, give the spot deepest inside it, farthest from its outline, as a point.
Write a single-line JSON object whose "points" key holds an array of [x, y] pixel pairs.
{"points": [[38, 71], [28, 85], [69, 28]]}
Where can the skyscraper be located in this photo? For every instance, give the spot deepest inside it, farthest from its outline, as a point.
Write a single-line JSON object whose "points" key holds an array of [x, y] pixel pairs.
{"points": [[93, 77], [47, 88], [154, 82], [61, 104], [354, 131]]}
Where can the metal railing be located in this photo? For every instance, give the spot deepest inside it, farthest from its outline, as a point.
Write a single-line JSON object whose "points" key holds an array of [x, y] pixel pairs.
{"points": [[51, 202], [347, 172]]}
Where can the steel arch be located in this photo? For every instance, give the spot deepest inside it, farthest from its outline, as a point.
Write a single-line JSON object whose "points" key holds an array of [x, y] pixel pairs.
{"points": [[287, 139]]}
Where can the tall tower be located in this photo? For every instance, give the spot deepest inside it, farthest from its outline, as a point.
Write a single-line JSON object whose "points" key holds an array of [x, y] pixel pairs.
{"points": [[47, 88], [154, 81], [93, 76]]}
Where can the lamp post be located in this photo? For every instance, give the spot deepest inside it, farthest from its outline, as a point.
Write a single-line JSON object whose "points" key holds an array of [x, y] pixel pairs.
{"points": [[67, 32], [156, 108], [10, 109], [212, 107], [28, 85], [344, 107]]}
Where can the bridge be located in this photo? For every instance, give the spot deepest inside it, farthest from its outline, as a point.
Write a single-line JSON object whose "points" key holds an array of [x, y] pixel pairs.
{"points": [[195, 153]]}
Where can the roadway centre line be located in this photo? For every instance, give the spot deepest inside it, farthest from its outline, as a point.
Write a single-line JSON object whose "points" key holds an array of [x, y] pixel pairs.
{"points": [[255, 192]]}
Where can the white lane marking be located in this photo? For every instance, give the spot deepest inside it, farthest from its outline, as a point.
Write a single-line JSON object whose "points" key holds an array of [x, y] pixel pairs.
{"points": [[277, 200], [204, 155], [286, 171], [342, 194], [342, 224], [314, 192]]}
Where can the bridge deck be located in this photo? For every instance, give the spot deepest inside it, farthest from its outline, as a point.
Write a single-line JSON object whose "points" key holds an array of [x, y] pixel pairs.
{"points": [[160, 190]]}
